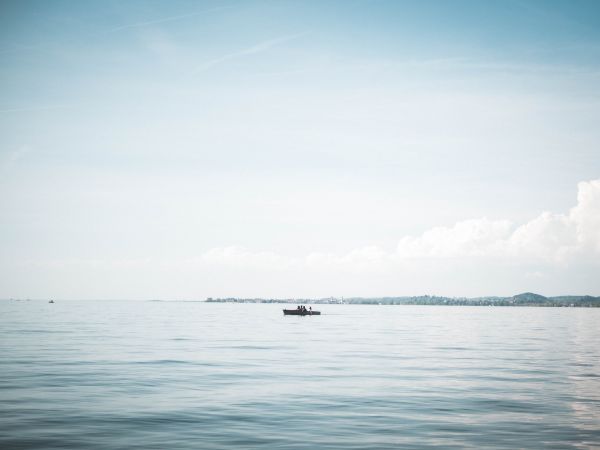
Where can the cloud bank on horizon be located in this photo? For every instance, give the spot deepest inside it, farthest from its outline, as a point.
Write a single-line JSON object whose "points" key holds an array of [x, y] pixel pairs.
{"points": [[550, 238]]}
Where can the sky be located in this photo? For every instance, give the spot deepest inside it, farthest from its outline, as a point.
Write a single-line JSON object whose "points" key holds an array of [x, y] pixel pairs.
{"points": [[299, 149]]}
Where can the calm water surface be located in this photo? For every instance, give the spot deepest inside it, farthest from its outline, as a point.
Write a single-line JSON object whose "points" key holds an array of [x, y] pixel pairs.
{"points": [[111, 375]]}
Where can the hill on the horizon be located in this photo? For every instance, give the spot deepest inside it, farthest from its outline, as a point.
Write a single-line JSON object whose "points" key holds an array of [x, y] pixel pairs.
{"points": [[529, 297]]}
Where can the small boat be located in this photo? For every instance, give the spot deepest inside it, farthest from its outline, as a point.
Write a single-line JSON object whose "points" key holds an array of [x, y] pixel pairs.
{"points": [[51, 301], [300, 312]]}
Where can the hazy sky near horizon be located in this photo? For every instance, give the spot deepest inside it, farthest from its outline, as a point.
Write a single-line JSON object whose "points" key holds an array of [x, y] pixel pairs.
{"points": [[182, 149]]}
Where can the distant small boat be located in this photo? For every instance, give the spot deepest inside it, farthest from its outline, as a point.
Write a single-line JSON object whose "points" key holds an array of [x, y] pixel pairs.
{"points": [[51, 301], [300, 312]]}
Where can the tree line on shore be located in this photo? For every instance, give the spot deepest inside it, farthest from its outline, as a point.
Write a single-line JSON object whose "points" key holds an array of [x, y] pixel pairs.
{"points": [[524, 299]]}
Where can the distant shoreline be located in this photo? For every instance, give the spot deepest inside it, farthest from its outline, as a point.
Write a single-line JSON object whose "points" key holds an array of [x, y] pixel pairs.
{"points": [[525, 299]]}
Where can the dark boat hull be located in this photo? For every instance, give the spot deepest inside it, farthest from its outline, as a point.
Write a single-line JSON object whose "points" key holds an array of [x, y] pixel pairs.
{"points": [[297, 312]]}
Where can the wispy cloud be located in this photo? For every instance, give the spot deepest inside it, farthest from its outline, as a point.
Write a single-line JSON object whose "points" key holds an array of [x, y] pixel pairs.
{"points": [[285, 73], [11, 158], [166, 19], [257, 48], [19, 153], [17, 48], [35, 108], [483, 65]]}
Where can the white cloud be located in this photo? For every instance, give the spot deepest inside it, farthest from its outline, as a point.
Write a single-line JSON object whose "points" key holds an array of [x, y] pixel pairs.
{"points": [[586, 215], [548, 237], [555, 239], [475, 237]]}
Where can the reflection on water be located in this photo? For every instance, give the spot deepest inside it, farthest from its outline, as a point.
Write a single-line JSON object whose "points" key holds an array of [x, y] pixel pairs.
{"points": [[190, 375]]}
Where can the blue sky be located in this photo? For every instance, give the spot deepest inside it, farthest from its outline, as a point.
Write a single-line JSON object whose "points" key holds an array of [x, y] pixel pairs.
{"points": [[193, 149]]}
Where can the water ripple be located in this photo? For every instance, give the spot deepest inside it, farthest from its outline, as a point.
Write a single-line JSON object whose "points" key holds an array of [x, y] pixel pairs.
{"points": [[185, 376]]}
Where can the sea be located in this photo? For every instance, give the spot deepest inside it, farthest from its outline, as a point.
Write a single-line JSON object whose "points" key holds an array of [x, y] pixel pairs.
{"points": [[195, 375]]}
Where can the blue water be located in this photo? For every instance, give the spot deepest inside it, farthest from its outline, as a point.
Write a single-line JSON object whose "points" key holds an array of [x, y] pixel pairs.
{"points": [[108, 375]]}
